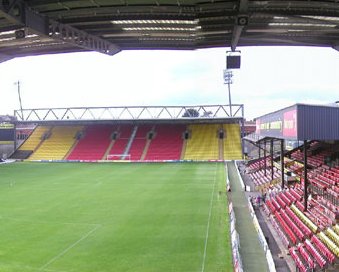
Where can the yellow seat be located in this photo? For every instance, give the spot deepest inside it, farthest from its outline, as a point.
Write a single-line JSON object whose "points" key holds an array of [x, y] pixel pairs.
{"points": [[35, 138], [59, 143], [232, 142], [203, 144]]}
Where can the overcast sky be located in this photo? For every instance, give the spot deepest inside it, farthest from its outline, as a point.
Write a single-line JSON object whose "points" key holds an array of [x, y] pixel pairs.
{"points": [[270, 78]]}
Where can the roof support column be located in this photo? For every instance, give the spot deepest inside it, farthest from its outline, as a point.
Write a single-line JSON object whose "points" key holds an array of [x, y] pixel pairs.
{"points": [[272, 160], [242, 127], [265, 166], [259, 154], [305, 176], [282, 165]]}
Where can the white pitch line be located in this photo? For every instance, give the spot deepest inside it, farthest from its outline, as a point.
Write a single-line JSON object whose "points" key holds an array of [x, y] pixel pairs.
{"points": [[69, 248], [208, 221]]}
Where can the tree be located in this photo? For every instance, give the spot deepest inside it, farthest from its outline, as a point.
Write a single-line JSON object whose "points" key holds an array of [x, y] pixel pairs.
{"points": [[191, 113], [207, 114]]}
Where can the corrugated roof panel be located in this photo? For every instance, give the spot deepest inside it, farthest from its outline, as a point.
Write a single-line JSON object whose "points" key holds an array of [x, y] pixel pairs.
{"points": [[318, 122]]}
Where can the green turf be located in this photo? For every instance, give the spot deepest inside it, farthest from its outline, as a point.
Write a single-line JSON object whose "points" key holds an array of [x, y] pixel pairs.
{"points": [[64, 217]]}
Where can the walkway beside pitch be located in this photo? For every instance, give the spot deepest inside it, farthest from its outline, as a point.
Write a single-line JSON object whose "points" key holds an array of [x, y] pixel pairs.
{"points": [[252, 254]]}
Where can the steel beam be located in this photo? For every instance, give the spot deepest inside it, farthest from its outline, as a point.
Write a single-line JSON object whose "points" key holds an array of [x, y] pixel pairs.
{"points": [[282, 163], [265, 166], [305, 176], [81, 38], [236, 36], [18, 13], [259, 154], [272, 157], [241, 21]]}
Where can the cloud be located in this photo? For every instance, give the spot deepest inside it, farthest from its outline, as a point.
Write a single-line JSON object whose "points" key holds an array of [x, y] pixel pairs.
{"points": [[269, 79]]}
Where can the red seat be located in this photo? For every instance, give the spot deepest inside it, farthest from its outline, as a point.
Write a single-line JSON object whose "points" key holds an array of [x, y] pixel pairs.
{"points": [[319, 244], [320, 260], [286, 228], [297, 260], [307, 257]]}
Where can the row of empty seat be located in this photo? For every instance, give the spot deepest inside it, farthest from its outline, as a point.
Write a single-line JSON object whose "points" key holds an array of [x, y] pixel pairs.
{"points": [[168, 139], [309, 249], [94, 145], [308, 246], [232, 142], [35, 138], [57, 144], [309, 234], [118, 147], [204, 143]]}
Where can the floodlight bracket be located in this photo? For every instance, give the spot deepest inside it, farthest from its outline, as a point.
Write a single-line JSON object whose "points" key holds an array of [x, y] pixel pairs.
{"points": [[241, 20]]}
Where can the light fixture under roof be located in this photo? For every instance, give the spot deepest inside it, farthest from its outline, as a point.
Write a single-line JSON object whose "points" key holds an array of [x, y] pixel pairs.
{"points": [[303, 25], [323, 18], [4, 33], [156, 28], [160, 22], [280, 18], [167, 39]]}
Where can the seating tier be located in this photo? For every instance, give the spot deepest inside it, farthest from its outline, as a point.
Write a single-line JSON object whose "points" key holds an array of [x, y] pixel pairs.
{"points": [[35, 138], [94, 143], [167, 143], [58, 144], [204, 143], [232, 142]]}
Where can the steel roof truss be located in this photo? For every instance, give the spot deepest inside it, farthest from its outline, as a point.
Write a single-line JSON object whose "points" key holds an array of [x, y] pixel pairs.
{"points": [[223, 109], [35, 113], [235, 113], [17, 12], [81, 38], [50, 111], [141, 112], [127, 113]]}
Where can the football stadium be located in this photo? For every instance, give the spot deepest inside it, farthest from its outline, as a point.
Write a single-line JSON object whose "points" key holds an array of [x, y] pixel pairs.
{"points": [[168, 188]]}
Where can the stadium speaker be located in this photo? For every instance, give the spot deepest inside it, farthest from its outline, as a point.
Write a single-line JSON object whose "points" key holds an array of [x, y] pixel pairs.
{"points": [[20, 34], [233, 62]]}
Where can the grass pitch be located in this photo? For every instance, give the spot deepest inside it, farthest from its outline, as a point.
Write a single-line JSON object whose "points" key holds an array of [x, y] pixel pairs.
{"points": [[65, 217]]}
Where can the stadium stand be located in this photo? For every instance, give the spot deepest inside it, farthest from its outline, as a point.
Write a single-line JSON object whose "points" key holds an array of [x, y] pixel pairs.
{"points": [[317, 153], [232, 142], [203, 143], [94, 144], [134, 142], [57, 144], [310, 235], [263, 178], [306, 239], [167, 143]]}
